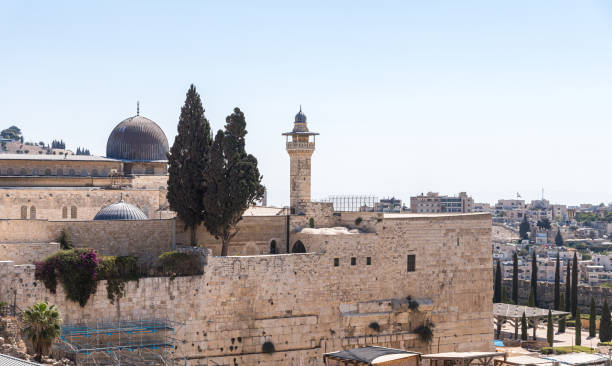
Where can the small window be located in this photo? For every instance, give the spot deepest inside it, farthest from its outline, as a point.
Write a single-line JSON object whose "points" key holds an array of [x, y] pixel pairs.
{"points": [[150, 170], [71, 172], [411, 263], [273, 247], [10, 171], [33, 213], [47, 171], [23, 172], [353, 261], [24, 212], [94, 173], [73, 212], [336, 262], [60, 172], [64, 212], [368, 261]]}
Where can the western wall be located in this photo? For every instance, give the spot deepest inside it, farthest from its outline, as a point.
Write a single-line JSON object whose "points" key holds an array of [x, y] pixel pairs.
{"points": [[305, 304]]}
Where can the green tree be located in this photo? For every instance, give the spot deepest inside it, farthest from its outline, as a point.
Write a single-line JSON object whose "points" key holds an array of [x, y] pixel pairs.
{"points": [[515, 278], [41, 326], [497, 286], [187, 161], [605, 326], [524, 228], [544, 223], [530, 301], [524, 327], [592, 319], [534, 278], [575, 286], [232, 181], [578, 328], [562, 319], [557, 285], [568, 288], [559, 239], [13, 133], [549, 329]]}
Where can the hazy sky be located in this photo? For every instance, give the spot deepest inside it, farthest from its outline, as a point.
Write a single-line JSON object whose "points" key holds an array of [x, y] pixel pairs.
{"points": [[409, 97]]}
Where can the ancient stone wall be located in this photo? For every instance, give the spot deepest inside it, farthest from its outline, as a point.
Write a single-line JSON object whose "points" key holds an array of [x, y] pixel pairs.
{"points": [[58, 167], [309, 304], [24, 253]]}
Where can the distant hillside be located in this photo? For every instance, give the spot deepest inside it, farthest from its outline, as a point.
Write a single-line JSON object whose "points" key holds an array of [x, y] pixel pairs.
{"points": [[12, 142]]}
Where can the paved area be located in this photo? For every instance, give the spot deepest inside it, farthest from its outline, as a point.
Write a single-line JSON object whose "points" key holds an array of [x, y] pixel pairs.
{"points": [[561, 339]]}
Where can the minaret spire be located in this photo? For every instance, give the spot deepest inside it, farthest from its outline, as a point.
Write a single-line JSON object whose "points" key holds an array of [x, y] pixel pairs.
{"points": [[138, 108]]}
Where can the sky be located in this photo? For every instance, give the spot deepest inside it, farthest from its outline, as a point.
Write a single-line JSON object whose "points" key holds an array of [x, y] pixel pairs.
{"points": [[491, 98]]}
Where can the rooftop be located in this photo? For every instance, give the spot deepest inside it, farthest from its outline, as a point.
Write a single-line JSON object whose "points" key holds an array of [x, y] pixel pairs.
{"points": [[370, 355], [6, 360], [42, 157], [431, 215]]}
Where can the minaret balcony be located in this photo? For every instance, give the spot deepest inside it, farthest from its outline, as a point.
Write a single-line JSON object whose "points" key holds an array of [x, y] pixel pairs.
{"points": [[300, 145]]}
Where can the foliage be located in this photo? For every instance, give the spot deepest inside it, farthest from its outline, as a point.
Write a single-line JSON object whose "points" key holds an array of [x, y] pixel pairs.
{"points": [[592, 319], [578, 330], [82, 151], [524, 327], [534, 278], [530, 301], [575, 286], [515, 278], [568, 289], [267, 347], [588, 217], [425, 332], [374, 326], [76, 271], [187, 160], [544, 223], [549, 329], [58, 144], [117, 271], [177, 263], [13, 133], [524, 228], [605, 326], [358, 221], [64, 240], [557, 293], [566, 349], [561, 327], [497, 291], [559, 239], [311, 223], [41, 326], [232, 181]]}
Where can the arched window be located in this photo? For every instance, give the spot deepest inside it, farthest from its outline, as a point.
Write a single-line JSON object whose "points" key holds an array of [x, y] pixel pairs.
{"points": [[23, 172], [24, 212], [273, 249], [94, 173], [35, 171], [60, 172], [298, 247], [150, 170], [33, 213], [73, 212], [64, 212], [83, 172], [47, 171], [10, 171], [71, 172]]}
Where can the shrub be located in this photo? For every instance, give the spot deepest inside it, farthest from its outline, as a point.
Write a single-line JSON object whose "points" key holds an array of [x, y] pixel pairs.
{"points": [[413, 305], [267, 347], [64, 240], [358, 221], [425, 332], [311, 223], [374, 326], [546, 350], [117, 271], [75, 269], [177, 263]]}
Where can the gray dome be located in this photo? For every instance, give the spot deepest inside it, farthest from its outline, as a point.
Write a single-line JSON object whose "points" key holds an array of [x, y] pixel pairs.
{"points": [[120, 211], [300, 117], [137, 138]]}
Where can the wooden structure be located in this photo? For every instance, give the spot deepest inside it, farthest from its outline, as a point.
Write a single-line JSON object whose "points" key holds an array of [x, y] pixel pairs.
{"points": [[525, 361], [463, 358], [372, 355], [513, 314]]}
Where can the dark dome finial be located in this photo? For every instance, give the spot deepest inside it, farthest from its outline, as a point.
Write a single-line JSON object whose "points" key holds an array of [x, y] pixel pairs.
{"points": [[138, 108]]}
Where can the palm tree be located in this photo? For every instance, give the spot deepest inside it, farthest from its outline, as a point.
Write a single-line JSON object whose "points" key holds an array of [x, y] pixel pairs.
{"points": [[41, 326]]}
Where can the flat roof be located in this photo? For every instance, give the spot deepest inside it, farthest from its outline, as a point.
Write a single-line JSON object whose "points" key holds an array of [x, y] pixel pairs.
{"points": [[461, 355], [431, 215], [516, 311], [578, 358], [526, 360], [371, 354], [42, 157]]}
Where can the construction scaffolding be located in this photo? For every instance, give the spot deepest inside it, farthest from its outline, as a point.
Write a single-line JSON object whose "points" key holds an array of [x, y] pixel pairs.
{"points": [[349, 203], [123, 342]]}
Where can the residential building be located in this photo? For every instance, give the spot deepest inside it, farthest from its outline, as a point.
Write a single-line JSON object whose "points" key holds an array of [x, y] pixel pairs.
{"points": [[433, 202]]}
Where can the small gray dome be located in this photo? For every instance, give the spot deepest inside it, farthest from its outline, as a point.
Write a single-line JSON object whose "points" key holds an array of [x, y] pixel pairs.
{"points": [[120, 211], [300, 117], [137, 138]]}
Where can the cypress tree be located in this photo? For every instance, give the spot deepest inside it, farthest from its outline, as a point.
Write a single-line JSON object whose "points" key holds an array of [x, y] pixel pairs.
{"points": [[232, 181], [568, 288], [524, 228], [605, 330], [187, 160], [524, 327], [534, 278], [530, 301], [497, 291], [557, 285], [575, 286], [592, 319], [559, 239], [549, 329], [578, 329], [515, 278], [505, 299], [562, 320]]}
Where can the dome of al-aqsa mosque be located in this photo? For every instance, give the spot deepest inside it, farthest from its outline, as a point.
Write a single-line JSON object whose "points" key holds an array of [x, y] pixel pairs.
{"points": [[137, 139]]}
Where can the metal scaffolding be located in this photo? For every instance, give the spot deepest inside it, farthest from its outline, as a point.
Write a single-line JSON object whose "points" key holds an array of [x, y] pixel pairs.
{"points": [[352, 203], [123, 342]]}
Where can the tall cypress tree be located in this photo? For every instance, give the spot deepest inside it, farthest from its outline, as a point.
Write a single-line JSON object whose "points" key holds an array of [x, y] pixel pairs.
{"points": [[497, 290], [575, 286], [578, 329], [524, 228], [524, 327], [592, 319], [605, 330], [232, 181], [187, 160], [534, 278], [515, 278], [562, 319], [559, 239], [568, 287], [549, 329], [557, 285]]}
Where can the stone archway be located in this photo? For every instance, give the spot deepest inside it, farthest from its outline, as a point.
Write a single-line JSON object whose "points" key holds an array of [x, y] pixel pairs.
{"points": [[273, 247], [298, 247]]}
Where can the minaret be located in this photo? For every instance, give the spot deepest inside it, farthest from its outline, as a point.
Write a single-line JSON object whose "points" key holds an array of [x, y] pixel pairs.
{"points": [[300, 149]]}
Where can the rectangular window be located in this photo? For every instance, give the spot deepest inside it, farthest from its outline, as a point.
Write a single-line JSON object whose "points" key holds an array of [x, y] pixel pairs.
{"points": [[411, 263], [368, 261], [336, 262], [353, 261]]}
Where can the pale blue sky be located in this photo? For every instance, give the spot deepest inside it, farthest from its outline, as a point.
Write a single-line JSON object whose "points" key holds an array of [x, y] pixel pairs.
{"points": [[409, 97]]}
